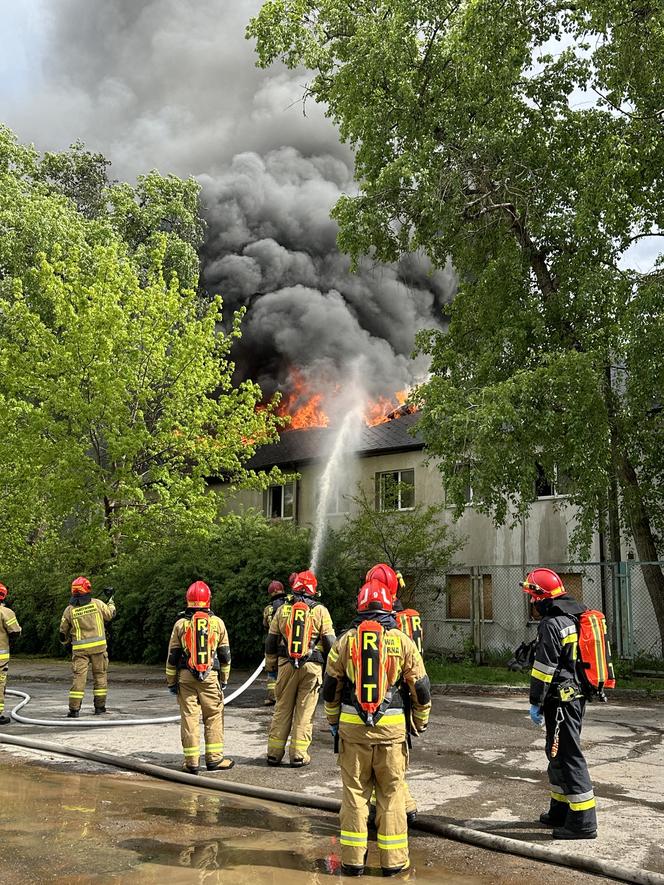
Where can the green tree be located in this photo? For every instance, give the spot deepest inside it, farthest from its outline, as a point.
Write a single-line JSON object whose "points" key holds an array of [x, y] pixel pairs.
{"points": [[522, 139], [415, 542], [116, 398]]}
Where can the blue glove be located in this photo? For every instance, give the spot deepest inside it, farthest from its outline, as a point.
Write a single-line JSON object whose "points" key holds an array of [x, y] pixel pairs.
{"points": [[271, 676], [536, 715], [334, 730], [173, 689]]}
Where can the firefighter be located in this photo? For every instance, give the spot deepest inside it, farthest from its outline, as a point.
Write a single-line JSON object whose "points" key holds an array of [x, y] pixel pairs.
{"points": [[301, 635], [557, 701], [82, 625], [10, 629], [277, 594], [409, 622], [365, 709], [198, 667]]}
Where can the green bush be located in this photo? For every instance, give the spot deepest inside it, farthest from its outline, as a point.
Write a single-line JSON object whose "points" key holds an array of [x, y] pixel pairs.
{"points": [[237, 559]]}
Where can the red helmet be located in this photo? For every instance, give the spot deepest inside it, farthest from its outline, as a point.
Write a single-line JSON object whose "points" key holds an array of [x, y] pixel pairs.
{"points": [[80, 586], [198, 595], [387, 576], [305, 583], [3, 592], [543, 583], [275, 588], [292, 578], [374, 596]]}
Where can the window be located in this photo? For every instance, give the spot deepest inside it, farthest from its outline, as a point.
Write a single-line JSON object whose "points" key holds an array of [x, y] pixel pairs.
{"points": [[459, 597], [280, 501], [545, 488], [337, 501], [395, 490]]}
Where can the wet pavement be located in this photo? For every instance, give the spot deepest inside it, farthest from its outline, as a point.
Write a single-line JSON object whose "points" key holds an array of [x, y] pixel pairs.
{"points": [[479, 764]]}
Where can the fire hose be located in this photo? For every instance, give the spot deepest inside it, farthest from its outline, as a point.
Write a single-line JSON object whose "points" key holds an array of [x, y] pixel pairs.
{"points": [[100, 723], [467, 835]]}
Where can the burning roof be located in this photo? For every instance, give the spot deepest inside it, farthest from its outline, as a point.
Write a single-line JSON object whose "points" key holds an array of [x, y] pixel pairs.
{"points": [[311, 444]]}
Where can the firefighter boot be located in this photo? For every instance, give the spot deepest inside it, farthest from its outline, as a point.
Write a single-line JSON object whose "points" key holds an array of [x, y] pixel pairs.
{"points": [[73, 714], [4, 720], [555, 816], [220, 765], [564, 833]]}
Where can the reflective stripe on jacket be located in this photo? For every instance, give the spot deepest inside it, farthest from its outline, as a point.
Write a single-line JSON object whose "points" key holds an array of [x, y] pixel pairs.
{"points": [[8, 625], [83, 626]]}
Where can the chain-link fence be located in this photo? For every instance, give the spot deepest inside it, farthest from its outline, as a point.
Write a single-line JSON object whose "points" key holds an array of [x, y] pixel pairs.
{"points": [[481, 610]]}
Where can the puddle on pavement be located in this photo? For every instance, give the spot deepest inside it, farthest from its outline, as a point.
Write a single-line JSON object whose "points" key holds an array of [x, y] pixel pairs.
{"points": [[95, 828]]}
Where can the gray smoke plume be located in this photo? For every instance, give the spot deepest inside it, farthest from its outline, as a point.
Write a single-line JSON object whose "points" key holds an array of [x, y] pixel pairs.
{"points": [[172, 84]]}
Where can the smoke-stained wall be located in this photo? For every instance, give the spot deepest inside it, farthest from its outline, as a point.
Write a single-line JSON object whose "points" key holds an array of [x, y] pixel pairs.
{"points": [[171, 84]]}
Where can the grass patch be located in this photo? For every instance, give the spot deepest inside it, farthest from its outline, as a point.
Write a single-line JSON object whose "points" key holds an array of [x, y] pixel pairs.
{"points": [[465, 672]]}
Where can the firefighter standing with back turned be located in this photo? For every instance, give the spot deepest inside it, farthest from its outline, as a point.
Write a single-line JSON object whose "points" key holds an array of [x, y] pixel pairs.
{"points": [[82, 625], [301, 635], [198, 667], [557, 701], [10, 629], [364, 707], [407, 620], [277, 594]]}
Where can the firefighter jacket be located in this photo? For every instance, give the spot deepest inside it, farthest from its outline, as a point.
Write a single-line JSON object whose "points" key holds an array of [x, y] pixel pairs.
{"points": [[556, 654], [83, 622], [322, 635], [271, 609], [407, 701], [177, 648], [9, 628]]}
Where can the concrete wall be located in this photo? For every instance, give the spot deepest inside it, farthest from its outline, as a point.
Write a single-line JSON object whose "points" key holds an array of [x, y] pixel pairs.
{"points": [[542, 537]]}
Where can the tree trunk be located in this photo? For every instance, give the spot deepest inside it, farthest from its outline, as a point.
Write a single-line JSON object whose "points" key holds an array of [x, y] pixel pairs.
{"points": [[644, 540]]}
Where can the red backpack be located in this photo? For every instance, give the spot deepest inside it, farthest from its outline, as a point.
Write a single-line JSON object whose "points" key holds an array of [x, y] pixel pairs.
{"points": [[299, 631], [410, 623], [199, 643], [370, 663], [595, 664]]}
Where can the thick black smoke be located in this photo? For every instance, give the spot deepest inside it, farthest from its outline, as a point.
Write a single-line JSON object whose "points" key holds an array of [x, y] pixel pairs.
{"points": [[172, 84]]}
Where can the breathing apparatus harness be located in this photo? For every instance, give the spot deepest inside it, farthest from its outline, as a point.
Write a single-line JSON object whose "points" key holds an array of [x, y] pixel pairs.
{"points": [[370, 693], [199, 652], [300, 647]]}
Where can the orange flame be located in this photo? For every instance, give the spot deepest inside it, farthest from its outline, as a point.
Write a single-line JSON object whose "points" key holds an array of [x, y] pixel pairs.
{"points": [[305, 409], [301, 406]]}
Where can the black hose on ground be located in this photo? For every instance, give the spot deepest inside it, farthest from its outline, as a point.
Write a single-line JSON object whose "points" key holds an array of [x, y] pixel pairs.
{"points": [[467, 835]]}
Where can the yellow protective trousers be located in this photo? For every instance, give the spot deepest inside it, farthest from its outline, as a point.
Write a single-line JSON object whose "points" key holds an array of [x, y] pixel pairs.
{"points": [[79, 664], [365, 767], [296, 692], [411, 804], [4, 669], [201, 698]]}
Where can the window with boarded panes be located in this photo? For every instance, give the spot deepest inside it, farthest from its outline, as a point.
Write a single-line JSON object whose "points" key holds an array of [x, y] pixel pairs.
{"points": [[459, 597]]}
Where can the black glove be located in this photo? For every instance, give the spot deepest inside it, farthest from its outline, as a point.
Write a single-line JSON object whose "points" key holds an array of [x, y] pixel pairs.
{"points": [[173, 689]]}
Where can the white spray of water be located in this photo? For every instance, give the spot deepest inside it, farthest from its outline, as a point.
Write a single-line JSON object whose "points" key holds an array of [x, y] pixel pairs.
{"points": [[341, 450]]}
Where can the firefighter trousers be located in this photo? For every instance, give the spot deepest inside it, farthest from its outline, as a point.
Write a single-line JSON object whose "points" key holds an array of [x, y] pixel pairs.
{"points": [[411, 804], [79, 664], [572, 796], [4, 669], [201, 698], [296, 691], [363, 768]]}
